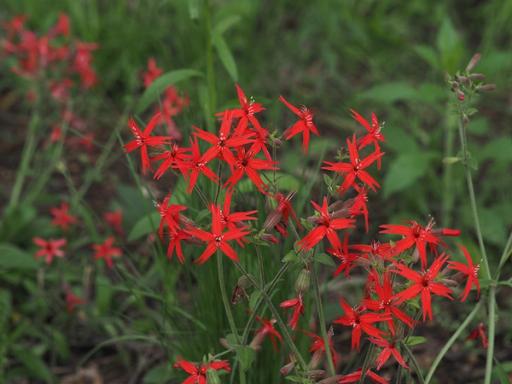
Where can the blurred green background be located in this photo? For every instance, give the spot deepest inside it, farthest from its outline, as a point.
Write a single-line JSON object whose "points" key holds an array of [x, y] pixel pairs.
{"points": [[383, 56]]}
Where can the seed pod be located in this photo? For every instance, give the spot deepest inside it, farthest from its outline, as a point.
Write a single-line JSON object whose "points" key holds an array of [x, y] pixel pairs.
{"points": [[303, 281]]}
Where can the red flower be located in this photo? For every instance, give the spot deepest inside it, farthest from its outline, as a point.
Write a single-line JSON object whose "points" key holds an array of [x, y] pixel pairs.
{"points": [[171, 105], [470, 270], [222, 144], [246, 112], [143, 140], [267, 329], [359, 206], [82, 63], [416, 236], [304, 125], [195, 165], [388, 349], [355, 377], [115, 220], [424, 284], [298, 309], [198, 372], [360, 322], [234, 219], [169, 215], [386, 301], [347, 259], [152, 72], [246, 163], [106, 251], [176, 235], [318, 346], [479, 333], [61, 216], [72, 301], [176, 157], [373, 135], [217, 239], [49, 248], [279, 217], [356, 168], [326, 226]]}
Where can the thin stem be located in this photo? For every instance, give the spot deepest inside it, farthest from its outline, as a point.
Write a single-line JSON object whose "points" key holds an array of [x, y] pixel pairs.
{"points": [[491, 336], [284, 329], [227, 307], [451, 341], [414, 363], [447, 173], [26, 157], [321, 318], [210, 70], [472, 198], [504, 256]]}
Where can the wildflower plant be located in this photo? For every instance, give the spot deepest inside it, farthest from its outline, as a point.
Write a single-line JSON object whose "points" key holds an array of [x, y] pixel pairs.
{"points": [[405, 270]]}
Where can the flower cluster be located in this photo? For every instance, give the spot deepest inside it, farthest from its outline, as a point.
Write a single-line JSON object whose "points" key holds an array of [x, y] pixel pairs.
{"points": [[415, 265]]}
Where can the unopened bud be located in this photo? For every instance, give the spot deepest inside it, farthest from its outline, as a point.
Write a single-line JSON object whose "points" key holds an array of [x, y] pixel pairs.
{"points": [[302, 283], [487, 88], [287, 369], [212, 377], [272, 219], [477, 76], [460, 95], [451, 160], [239, 290], [269, 238], [473, 62], [316, 374]]}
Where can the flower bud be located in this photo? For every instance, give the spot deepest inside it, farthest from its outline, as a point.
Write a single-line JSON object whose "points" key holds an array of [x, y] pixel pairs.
{"points": [[286, 369], [477, 76], [212, 377], [303, 281], [316, 374], [486, 88], [473, 62], [460, 95]]}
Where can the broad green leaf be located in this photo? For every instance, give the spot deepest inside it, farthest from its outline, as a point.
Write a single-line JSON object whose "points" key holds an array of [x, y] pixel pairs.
{"points": [[390, 92], [415, 340], [11, 257], [405, 170], [226, 57], [245, 356], [34, 364], [104, 294], [144, 226], [160, 84], [428, 54], [325, 259], [225, 24], [449, 46]]}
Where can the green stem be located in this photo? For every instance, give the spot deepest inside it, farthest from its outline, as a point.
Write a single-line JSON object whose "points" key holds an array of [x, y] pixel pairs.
{"points": [[447, 173], [284, 329], [210, 69], [451, 341], [504, 256], [491, 336], [227, 307], [472, 198], [26, 157], [414, 362], [321, 318]]}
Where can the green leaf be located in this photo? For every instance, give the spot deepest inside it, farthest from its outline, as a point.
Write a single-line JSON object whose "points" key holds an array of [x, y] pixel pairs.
{"points": [[325, 259], [405, 170], [152, 93], [34, 364], [499, 149], [11, 257], [478, 126], [245, 356], [388, 93], [449, 46], [500, 372], [159, 374], [428, 54], [415, 340], [104, 294], [144, 226], [225, 24], [291, 257], [225, 56]]}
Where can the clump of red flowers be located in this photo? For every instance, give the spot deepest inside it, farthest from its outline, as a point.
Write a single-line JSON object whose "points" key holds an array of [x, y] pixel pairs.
{"points": [[403, 275]]}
